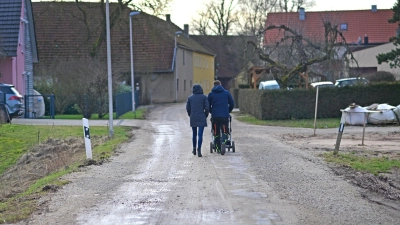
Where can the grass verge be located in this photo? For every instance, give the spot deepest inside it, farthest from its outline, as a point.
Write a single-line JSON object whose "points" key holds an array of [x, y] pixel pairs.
{"points": [[374, 165], [138, 114], [18, 139], [301, 123]]}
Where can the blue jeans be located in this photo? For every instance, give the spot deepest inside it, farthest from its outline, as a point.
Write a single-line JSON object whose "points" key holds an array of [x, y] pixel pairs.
{"points": [[197, 134]]}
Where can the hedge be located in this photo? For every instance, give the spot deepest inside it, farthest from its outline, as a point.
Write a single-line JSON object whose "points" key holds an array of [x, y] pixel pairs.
{"points": [[300, 103]]}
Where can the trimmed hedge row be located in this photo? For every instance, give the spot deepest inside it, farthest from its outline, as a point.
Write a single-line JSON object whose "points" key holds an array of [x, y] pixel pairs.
{"points": [[300, 103]]}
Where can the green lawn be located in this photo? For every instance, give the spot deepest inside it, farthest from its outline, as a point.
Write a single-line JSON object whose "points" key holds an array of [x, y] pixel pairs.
{"points": [[371, 164], [302, 123], [138, 114], [18, 139]]}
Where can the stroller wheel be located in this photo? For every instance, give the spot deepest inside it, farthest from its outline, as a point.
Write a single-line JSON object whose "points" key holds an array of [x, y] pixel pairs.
{"points": [[233, 146], [211, 147], [223, 149]]}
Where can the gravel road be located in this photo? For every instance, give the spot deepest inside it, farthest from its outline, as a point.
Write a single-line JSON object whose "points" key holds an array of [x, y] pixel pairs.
{"points": [[155, 179]]}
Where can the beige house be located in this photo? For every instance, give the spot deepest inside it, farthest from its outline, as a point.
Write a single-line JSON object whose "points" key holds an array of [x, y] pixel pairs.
{"points": [[366, 59]]}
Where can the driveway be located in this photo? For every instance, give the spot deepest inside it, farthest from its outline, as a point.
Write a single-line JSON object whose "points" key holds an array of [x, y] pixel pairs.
{"points": [[155, 179]]}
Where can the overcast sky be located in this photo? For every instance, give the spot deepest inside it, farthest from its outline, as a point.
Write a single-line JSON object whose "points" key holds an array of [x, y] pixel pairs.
{"points": [[182, 11]]}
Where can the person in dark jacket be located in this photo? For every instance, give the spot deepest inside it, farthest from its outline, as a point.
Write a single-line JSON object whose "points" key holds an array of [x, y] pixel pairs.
{"points": [[197, 108], [221, 105]]}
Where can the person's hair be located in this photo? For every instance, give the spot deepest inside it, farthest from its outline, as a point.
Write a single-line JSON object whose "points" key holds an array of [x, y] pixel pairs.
{"points": [[217, 83]]}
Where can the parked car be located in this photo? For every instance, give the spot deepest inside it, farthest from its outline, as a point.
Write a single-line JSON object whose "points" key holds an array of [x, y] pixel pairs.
{"points": [[351, 81], [322, 84], [269, 85], [14, 100]]}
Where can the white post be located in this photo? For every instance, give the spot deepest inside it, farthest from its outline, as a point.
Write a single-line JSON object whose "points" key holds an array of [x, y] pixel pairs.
{"points": [[316, 108], [110, 94], [86, 136], [365, 121], [175, 67], [132, 71]]}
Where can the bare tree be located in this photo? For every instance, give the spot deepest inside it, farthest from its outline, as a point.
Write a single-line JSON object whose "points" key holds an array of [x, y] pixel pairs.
{"points": [[83, 82], [293, 5], [253, 14], [218, 18], [294, 54]]}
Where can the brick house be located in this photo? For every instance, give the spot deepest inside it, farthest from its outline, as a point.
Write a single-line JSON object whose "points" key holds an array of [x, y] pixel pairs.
{"points": [[67, 31], [362, 29]]}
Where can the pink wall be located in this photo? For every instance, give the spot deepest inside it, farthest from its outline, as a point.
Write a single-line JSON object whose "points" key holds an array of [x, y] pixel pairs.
{"points": [[19, 62], [12, 68], [6, 71]]}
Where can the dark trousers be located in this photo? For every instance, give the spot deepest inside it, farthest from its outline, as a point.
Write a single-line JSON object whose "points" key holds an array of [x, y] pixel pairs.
{"points": [[220, 128], [196, 134]]}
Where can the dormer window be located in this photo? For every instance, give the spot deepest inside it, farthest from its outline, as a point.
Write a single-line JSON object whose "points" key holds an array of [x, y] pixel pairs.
{"points": [[343, 26]]}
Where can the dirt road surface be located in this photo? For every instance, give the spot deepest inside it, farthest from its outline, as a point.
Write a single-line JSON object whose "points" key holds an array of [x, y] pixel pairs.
{"points": [[155, 179]]}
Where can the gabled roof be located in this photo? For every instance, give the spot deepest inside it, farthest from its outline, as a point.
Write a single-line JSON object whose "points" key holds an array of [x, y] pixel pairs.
{"points": [[359, 23], [61, 33], [10, 14], [229, 52]]}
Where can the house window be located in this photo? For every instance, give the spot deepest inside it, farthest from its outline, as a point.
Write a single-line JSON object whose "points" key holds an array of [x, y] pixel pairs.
{"points": [[183, 57], [343, 26]]}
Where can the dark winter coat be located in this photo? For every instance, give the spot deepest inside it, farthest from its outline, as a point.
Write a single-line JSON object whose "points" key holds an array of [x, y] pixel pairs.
{"points": [[221, 102], [197, 107]]}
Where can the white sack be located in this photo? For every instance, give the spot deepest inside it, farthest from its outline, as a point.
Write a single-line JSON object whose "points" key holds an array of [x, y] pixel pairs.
{"points": [[385, 107], [355, 116], [397, 112], [383, 117], [38, 104]]}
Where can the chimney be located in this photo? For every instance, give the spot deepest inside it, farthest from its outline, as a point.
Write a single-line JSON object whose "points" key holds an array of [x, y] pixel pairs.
{"points": [[186, 30], [302, 14], [168, 18], [374, 8], [366, 40]]}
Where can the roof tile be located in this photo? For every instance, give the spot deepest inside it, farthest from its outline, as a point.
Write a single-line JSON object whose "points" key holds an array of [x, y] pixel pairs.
{"points": [[61, 33], [10, 13], [359, 23]]}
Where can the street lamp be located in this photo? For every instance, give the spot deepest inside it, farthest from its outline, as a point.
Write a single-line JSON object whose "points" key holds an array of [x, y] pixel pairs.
{"points": [[110, 100], [132, 71], [176, 69]]}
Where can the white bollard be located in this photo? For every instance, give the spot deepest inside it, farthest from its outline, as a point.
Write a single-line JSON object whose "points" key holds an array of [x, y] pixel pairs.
{"points": [[86, 136]]}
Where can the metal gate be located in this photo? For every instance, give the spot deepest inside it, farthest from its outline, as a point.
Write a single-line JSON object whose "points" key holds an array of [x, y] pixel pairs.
{"points": [[123, 102]]}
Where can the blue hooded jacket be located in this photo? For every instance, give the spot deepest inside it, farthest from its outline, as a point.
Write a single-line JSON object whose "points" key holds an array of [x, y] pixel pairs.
{"points": [[221, 102], [197, 107]]}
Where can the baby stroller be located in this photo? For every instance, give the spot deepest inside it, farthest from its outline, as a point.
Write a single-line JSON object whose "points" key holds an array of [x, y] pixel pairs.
{"points": [[227, 144]]}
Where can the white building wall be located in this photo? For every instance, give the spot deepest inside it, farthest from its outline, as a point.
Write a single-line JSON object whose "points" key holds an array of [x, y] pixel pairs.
{"points": [[367, 58]]}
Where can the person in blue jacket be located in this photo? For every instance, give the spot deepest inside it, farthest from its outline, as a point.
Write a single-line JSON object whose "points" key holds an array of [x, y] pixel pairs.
{"points": [[197, 108], [221, 105]]}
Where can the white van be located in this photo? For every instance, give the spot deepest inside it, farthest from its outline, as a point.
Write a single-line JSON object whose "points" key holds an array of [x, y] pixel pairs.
{"points": [[269, 85]]}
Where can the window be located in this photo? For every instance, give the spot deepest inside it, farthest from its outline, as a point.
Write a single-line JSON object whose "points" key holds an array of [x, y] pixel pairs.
{"points": [[343, 26], [183, 57], [177, 84], [184, 85]]}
